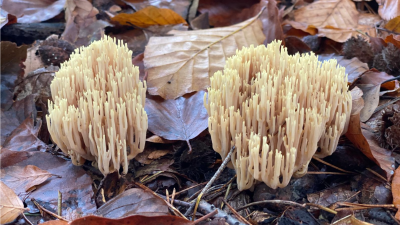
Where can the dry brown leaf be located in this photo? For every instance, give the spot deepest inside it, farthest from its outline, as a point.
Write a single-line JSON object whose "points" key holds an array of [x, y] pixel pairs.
{"points": [[11, 206], [342, 35], [389, 9], [33, 11], [27, 177], [182, 63], [335, 13], [182, 7], [396, 191], [394, 39], [158, 154], [365, 140], [149, 16], [351, 219]]}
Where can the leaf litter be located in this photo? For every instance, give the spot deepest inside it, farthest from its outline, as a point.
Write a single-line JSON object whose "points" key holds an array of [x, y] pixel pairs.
{"points": [[176, 56]]}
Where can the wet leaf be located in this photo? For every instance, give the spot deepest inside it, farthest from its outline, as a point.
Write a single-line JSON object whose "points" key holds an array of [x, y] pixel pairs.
{"points": [[296, 45], [11, 206], [182, 7], [329, 196], [149, 16], [24, 137], [33, 11], [26, 177], [131, 220], [133, 201], [182, 63], [73, 182], [181, 119]]}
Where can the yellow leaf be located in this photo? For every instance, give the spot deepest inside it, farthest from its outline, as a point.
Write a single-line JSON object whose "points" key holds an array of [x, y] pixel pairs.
{"points": [[182, 63], [394, 25], [335, 13], [149, 16], [10, 204]]}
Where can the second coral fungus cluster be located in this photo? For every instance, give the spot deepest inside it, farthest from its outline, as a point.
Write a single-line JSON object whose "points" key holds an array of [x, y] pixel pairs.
{"points": [[277, 109]]}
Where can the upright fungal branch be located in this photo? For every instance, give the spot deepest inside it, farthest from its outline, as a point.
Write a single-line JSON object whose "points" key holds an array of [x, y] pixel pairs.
{"points": [[98, 110], [277, 109]]}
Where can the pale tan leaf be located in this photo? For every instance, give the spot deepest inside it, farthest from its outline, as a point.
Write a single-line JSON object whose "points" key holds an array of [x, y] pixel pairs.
{"points": [[182, 63], [335, 13], [158, 154], [10, 204], [389, 9], [342, 35]]}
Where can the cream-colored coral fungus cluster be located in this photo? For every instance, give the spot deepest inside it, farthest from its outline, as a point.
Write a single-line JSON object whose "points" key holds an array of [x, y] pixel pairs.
{"points": [[276, 109], [98, 110]]}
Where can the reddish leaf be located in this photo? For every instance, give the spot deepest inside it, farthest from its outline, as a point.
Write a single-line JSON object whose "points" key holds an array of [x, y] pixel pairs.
{"points": [[25, 177], [295, 45], [74, 184], [394, 39], [180, 119], [134, 201], [224, 13], [396, 191], [377, 44], [131, 220]]}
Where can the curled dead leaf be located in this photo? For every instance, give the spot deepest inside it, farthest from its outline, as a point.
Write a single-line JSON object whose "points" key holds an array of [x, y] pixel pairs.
{"points": [[11, 206]]}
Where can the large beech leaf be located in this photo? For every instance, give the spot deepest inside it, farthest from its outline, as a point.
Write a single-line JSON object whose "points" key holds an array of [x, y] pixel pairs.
{"points": [[10, 205], [181, 119], [389, 9], [333, 13], [182, 63]]}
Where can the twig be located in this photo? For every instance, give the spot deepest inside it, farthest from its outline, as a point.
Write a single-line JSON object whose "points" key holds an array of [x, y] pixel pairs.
{"points": [[271, 201], [59, 207], [377, 174], [330, 173], [379, 108], [226, 195], [333, 166], [46, 210], [26, 219], [322, 207], [235, 213], [211, 214], [180, 192], [174, 210], [205, 208], [216, 175], [394, 218]]}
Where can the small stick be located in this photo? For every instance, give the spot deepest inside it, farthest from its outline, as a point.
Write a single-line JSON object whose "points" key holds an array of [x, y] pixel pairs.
{"points": [[236, 213], [326, 173], [26, 219], [59, 208], [333, 166], [226, 195], [322, 207], [394, 218], [216, 175], [377, 174], [173, 197], [46, 210], [271, 201], [211, 214], [180, 192]]}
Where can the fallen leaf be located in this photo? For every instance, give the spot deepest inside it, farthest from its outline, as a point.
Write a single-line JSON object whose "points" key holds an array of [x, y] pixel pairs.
{"points": [[81, 26], [354, 67], [181, 119], [24, 137], [131, 220], [149, 16], [182, 7], [309, 30], [377, 44], [365, 141], [396, 191], [11, 206], [33, 11], [394, 39], [330, 196], [182, 63], [393, 25], [370, 83], [223, 13], [26, 177], [73, 182], [158, 139], [351, 219], [334, 13], [296, 45], [201, 22], [133, 201], [158, 154], [388, 9], [357, 100], [342, 35]]}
